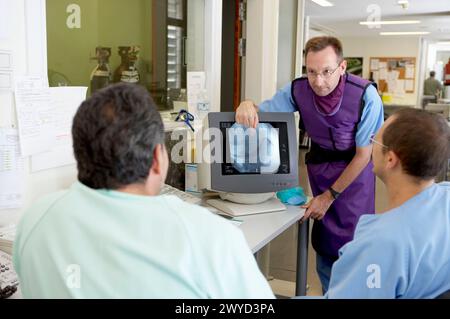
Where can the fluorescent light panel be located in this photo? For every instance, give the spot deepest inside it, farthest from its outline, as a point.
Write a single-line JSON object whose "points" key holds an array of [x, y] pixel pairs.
{"points": [[389, 22], [323, 3], [405, 33]]}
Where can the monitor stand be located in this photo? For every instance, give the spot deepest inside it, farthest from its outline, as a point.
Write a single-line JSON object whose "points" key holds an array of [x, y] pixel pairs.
{"points": [[234, 209]]}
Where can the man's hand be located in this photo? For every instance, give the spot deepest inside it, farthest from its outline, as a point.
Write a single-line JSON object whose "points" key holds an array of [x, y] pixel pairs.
{"points": [[247, 114], [318, 206]]}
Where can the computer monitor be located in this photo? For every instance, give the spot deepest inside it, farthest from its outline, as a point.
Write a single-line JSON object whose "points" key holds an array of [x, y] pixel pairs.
{"points": [[248, 165]]}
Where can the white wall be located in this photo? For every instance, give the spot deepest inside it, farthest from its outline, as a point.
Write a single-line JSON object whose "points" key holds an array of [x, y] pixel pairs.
{"points": [[195, 35], [27, 44], [367, 47], [287, 31], [262, 48]]}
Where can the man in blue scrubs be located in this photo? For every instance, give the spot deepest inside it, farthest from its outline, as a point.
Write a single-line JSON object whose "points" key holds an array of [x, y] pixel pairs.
{"points": [[403, 252], [111, 236], [339, 112]]}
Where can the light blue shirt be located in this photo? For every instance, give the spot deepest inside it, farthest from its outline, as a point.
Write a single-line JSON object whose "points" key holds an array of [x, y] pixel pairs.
{"points": [[85, 243], [403, 253], [371, 119]]}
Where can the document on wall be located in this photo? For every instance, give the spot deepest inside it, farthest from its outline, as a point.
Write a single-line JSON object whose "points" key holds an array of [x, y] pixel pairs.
{"points": [[198, 103], [400, 87], [409, 72], [383, 73], [392, 86], [392, 75], [374, 64], [65, 101], [409, 85], [34, 115], [12, 170]]}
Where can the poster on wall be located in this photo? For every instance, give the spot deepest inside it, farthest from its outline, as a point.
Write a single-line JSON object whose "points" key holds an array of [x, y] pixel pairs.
{"points": [[355, 65], [12, 170]]}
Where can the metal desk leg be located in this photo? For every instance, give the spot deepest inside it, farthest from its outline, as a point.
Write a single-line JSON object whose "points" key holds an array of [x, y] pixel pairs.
{"points": [[302, 258]]}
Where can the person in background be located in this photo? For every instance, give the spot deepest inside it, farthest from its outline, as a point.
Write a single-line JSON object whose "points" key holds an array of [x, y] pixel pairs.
{"points": [[432, 86], [339, 112], [112, 236], [403, 252]]}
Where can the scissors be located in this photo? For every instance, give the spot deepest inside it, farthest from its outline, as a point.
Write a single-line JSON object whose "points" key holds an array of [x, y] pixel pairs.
{"points": [[186, 117]]}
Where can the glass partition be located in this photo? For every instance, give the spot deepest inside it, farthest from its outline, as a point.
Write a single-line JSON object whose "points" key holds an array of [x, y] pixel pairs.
{"points": [[148, 42]]}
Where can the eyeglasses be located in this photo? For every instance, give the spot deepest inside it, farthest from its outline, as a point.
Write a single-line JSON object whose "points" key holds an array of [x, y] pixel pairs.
{"points": [[326, 74], [374, 141]]}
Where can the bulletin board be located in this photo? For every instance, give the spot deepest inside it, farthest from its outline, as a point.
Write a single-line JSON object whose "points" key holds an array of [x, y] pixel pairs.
{"points": [[394, 75]]}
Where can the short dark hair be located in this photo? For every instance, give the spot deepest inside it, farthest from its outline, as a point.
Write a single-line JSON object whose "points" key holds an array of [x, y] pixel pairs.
{"points": [[421, 141], [432, 73], [317, 44], [115, 132]]}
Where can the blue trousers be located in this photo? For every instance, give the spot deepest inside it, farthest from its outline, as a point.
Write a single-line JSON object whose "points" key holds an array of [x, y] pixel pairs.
{"points": [[323, 268]]}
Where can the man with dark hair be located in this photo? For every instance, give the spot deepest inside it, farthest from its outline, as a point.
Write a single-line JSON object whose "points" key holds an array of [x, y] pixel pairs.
{"points": [[403, 252], [432, 86], [111, 236], [339, 112]]}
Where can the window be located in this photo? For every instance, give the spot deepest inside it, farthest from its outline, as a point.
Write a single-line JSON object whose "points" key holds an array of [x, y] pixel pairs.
{"points": [[97, 42]]}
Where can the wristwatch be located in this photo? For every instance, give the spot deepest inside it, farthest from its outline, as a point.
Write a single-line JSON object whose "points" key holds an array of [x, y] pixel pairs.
{"points": [[334, 193]]}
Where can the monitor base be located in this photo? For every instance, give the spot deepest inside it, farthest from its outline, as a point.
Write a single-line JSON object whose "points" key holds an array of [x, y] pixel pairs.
{"points": [[235, 209], [243, 198]]}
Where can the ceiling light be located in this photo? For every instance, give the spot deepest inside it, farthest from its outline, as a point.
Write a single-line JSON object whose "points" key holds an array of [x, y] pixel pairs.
{"points": [[323, 3], [389, 22], [403, 3], [405, 33]]}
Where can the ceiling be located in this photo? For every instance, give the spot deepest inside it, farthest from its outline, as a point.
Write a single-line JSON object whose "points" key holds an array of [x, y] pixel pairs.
{"points": [[343, 18]]}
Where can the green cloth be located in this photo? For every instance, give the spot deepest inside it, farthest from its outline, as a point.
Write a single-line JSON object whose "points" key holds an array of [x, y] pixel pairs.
{"points": [[86, 243]]}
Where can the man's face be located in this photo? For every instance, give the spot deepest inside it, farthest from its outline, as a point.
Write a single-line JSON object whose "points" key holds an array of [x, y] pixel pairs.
{"points": [[378, 154], [324, 70]]}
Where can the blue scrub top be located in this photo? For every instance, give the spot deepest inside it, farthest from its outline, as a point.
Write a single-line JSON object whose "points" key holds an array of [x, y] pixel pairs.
{"points": [[402, 253]]}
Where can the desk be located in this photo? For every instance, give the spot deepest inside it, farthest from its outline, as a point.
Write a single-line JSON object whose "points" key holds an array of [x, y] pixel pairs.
{"points": [[260, 229]]}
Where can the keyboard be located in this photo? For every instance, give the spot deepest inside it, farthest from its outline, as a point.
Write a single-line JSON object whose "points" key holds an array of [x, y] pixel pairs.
{"points": [[189, 198]]}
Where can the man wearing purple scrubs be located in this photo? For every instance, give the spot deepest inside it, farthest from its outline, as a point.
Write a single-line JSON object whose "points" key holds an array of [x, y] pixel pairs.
{"points": [[340, 112]]}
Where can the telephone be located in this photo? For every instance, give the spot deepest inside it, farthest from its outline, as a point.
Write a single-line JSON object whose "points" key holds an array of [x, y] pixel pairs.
{"points": [[8, 277]]}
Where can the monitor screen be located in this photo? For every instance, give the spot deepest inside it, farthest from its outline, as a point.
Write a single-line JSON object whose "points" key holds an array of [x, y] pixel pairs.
{"points": [[264, 150], [245, 160]]}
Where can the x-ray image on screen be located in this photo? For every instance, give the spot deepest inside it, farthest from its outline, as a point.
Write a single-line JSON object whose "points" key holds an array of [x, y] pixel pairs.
{"points": [[263, 150], [254, 150], [242, 160]]}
